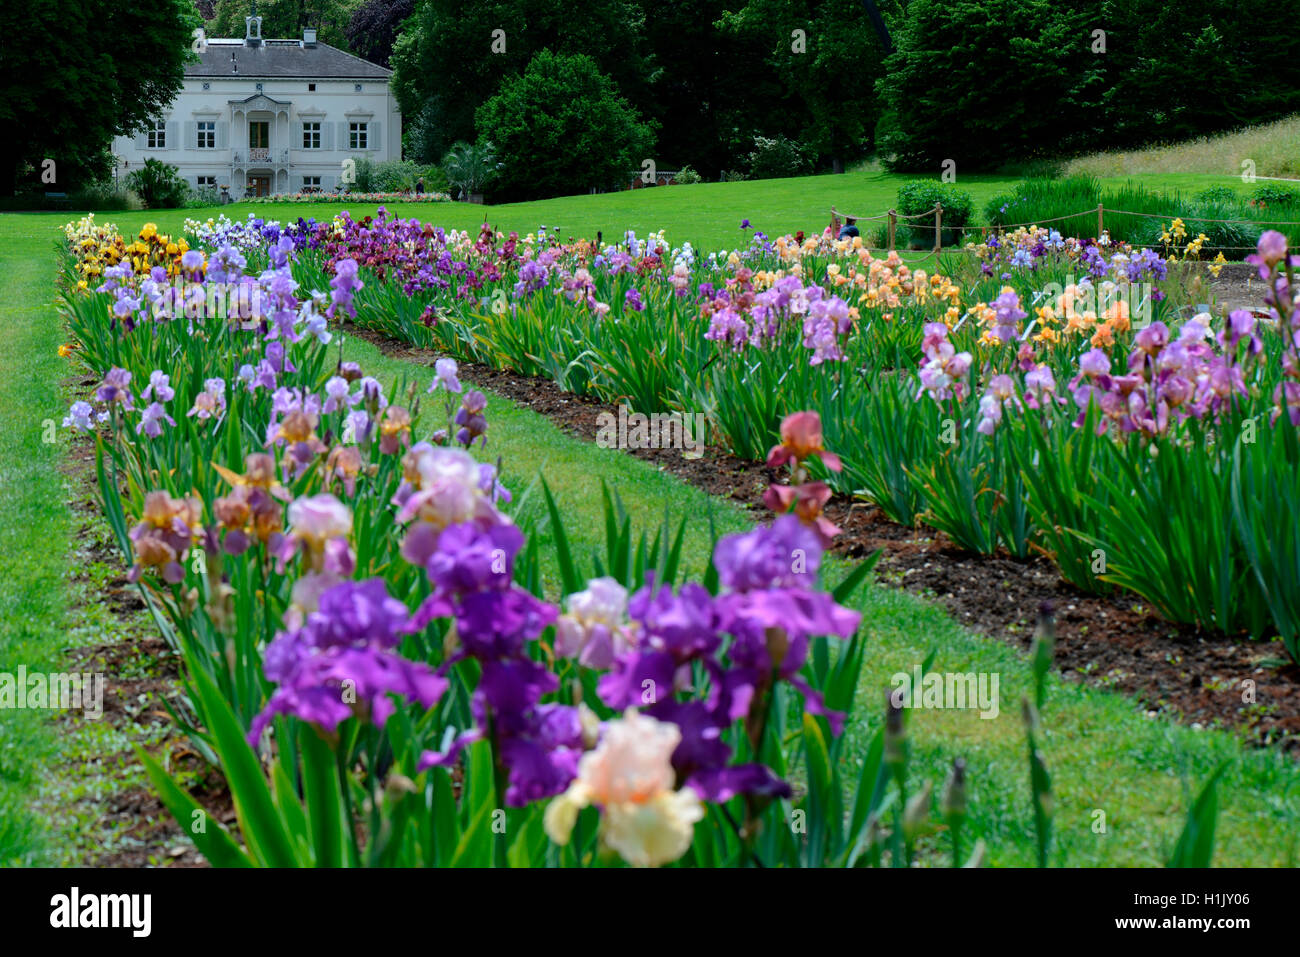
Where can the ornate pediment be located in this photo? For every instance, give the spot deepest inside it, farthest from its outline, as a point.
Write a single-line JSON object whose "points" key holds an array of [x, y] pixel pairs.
{"points": [[260, 101]]}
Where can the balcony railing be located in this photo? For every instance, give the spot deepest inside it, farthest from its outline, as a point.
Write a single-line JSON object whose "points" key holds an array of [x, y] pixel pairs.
{"points": [[260, 154]]}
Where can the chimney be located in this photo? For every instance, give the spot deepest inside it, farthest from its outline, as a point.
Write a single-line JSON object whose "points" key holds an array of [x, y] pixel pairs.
{"points": [[309, 38]]}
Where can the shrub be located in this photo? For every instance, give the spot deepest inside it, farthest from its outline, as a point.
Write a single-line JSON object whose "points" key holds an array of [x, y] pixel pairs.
{"points": [[101, 196], [687, 177], [435, 179], [776, 157], [1273, 194], [919, 196], [206, 196], [734, 176], [1217, 194], [394, 176], [158, 185]]}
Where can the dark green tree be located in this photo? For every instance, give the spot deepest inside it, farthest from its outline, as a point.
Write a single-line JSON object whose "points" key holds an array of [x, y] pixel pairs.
{"points": [[286, 19], [75, 73], [828, 56], [989, 82], [374, 28], [1200, 66], [453, 55], [562, 128], [710, 89]]}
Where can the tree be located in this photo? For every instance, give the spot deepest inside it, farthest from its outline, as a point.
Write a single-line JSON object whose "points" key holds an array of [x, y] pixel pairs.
{"points": [[986, 82], [827, 54], [453, 55], [562, 128], [287, 19], [66, 89], [374, 27], [710, 89], [1201, 66]]}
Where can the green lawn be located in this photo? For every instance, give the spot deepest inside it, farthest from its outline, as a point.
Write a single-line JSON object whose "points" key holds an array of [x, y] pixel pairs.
{"points": [[1104, 754], [34, 521], [708, 215]]}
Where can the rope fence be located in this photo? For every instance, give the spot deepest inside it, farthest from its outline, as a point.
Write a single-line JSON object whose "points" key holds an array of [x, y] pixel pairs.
{"points": [[893, 217]]}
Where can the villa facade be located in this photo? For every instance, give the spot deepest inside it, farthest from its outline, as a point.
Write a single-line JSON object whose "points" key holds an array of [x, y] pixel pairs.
{"points": [[257, 117]]}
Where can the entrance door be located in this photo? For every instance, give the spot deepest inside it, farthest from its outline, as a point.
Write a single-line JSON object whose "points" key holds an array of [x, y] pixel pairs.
{"points": [[259, 186]]}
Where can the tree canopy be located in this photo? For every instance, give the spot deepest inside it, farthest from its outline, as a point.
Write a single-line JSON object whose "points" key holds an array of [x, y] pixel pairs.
{"points": [[75, 73], [287, 18]]}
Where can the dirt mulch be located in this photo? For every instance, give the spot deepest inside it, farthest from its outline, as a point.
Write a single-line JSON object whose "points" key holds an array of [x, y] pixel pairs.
{"points": [[141, 676], [1194, 676]]}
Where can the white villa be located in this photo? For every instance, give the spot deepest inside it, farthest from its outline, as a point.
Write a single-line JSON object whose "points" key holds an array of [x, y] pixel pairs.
{"points": [[260, 116]]}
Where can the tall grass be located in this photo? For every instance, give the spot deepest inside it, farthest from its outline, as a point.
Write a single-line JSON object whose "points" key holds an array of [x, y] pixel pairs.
{"points": [[1273, 147]]}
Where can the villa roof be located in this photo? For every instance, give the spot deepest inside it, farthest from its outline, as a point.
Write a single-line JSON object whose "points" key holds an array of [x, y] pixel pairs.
{"points": [[281, 58]]}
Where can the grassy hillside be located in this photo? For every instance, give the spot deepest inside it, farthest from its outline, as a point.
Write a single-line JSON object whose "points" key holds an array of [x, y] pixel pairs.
{"points": [[1274, 148]]}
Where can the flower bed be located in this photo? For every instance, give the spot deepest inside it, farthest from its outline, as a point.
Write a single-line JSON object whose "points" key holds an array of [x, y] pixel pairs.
{"points": [[1059, 397], [322, 197], [370, 651], [356, 609]]}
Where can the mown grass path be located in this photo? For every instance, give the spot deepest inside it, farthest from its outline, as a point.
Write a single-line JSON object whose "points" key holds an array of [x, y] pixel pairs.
{"points": [[34, 520], [1104, 754]]}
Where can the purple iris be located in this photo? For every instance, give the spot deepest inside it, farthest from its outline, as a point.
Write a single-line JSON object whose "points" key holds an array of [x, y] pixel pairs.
{"points": [[342, 662], [345, 285]]}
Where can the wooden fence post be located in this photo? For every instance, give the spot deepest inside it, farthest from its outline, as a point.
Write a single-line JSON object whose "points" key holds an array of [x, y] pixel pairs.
{"points": [[893, 228], [1101, 226], [938, 226]]}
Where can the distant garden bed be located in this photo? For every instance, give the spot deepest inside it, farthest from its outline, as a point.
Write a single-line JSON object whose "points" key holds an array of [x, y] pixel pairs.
{"points": [[410, 197]]}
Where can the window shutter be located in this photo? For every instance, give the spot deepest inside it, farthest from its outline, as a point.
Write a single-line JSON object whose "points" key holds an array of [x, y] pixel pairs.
{"points": [[191, 135], [326, 135], [223, 135], [142, 141], [172, 133], [374, 137], [344, 142]]}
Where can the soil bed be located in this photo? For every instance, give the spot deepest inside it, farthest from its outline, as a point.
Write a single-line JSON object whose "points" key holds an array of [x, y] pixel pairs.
{"points": [[131, 827]]}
